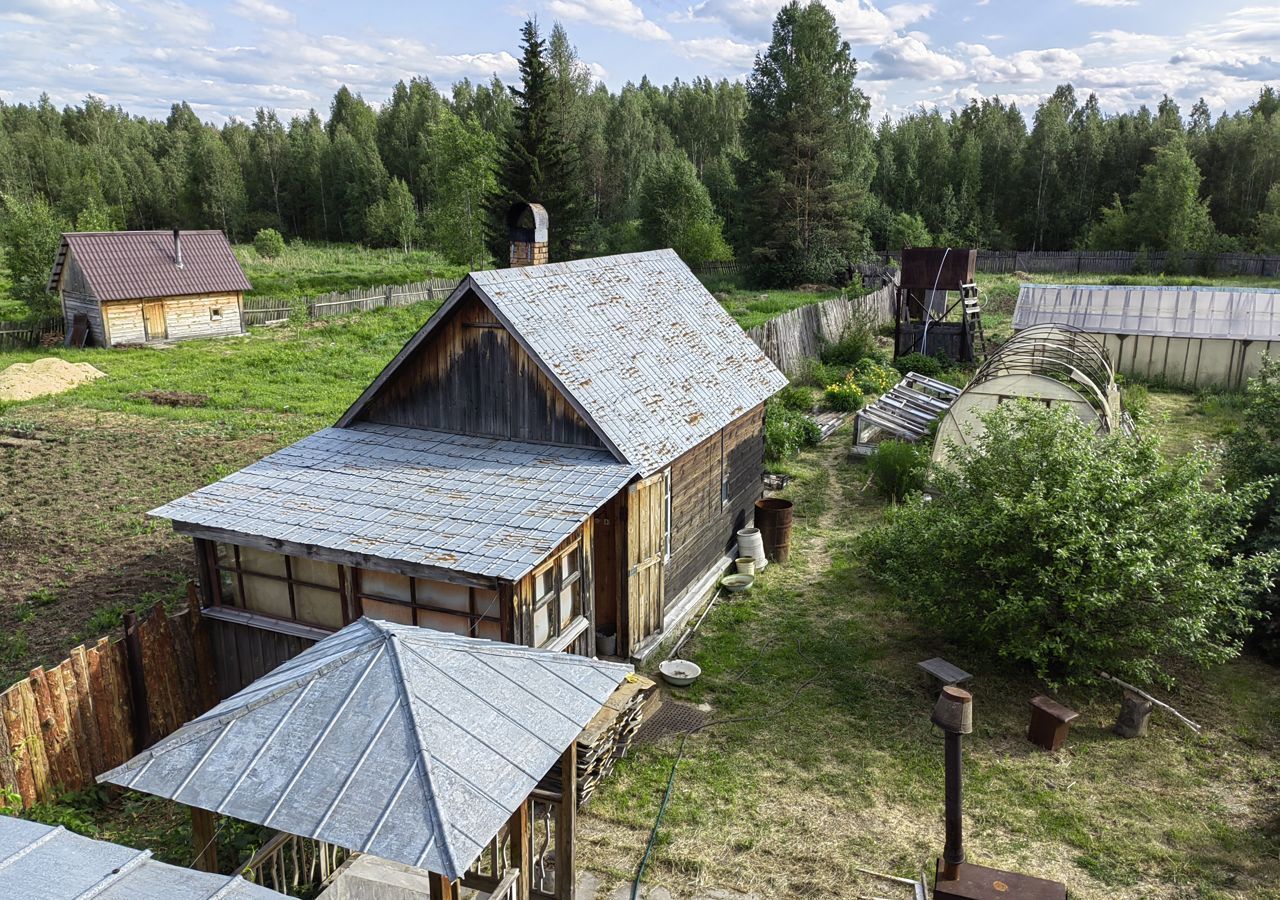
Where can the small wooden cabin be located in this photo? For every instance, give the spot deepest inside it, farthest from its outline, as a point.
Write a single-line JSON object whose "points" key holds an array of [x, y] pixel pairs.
{"points": [[135, 287], [562, 451]]}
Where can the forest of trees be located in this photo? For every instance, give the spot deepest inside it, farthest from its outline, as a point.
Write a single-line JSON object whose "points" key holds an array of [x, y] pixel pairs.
{"points": [[786, 171]]}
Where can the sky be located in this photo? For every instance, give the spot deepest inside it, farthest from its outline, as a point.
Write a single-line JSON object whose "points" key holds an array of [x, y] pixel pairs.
{"points": [[228, 58]]}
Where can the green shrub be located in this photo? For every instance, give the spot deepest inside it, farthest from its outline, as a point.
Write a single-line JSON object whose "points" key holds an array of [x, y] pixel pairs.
{"points": [[928, 366], [787, 432], [898, 469], [1136, 400], [797, 397], [269, 243], [1067, 553], [874, 378], [844, 396], [856, 343]]}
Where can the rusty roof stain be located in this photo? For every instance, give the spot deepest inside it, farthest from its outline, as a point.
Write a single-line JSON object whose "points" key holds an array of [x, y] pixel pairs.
{"points": [[132, 265]]}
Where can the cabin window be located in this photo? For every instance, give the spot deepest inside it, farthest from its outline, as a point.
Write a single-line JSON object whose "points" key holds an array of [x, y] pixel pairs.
{"points": [[455, 608], [283, 587], [215, 313], [557, 595]]}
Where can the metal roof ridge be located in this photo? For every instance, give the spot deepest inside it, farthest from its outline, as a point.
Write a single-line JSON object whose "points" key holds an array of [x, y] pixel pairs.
{"points": [[390, 637], [20, 853], [116, 874]]}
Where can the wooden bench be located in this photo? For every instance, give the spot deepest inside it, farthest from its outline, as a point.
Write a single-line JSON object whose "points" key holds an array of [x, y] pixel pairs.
{"points": [[942, 673]]}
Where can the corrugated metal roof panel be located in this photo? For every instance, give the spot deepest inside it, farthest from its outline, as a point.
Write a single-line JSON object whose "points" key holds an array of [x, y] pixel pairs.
{"points": [[404, 742], [471, 504], [43, 862], [131, 265], [1225, 313], [638, 341]]}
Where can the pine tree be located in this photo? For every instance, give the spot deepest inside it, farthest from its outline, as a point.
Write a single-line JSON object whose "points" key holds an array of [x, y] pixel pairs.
{"points": [[808, 155], [538, 162]]}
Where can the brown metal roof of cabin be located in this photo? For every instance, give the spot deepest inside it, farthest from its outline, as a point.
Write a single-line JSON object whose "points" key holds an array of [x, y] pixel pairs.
{"points": [[129, 265]]}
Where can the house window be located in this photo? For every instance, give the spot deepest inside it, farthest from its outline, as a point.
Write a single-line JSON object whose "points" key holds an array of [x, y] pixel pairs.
{"points": [[440, 605], [283, 587], [557, 595], [215, 313]]}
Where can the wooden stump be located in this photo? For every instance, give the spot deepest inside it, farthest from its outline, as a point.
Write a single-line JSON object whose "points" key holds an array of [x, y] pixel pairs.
{"points": [[1135, 714]]}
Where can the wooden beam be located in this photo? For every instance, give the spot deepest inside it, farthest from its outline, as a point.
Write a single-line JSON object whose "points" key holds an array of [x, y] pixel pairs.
{"points": [[442, 888], [518, 826], [203, 831], [566, 824]]}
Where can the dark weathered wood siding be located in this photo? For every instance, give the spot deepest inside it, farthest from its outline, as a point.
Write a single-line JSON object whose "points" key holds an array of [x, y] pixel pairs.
{"points": [[471, 376], [77, 297], [703, 525], [524, 595]]}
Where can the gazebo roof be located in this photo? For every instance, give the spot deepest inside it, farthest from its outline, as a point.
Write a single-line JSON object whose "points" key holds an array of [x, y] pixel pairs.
{"points": [[404, 742]]}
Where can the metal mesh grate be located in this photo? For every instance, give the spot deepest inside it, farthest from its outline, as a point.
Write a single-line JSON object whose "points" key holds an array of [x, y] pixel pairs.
{"points": [[672, 717]]}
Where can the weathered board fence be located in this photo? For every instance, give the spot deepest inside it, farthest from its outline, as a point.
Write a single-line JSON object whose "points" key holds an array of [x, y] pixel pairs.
{"points": [[1118, 262], [31, 333], [800, 334], [64, 726], [269, 310]]}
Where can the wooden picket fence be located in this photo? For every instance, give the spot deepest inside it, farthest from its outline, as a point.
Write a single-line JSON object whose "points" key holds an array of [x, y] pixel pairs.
{"points": [[65, 725], [1118, 262], [800, 334], [270, 310], [30, 333]]}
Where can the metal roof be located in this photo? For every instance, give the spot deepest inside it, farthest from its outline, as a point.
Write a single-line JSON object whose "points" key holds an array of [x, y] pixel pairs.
{"points": [[411, 744], [43, 862], [1225, 313], [471, 504], [636, 342], [131, 265]]}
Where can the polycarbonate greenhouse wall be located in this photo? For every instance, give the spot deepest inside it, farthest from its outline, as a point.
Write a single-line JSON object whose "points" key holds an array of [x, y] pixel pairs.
{"points": [[1191, 336]]}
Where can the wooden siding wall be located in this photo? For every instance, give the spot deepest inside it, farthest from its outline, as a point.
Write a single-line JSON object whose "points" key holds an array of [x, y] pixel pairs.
{"points": [[525, 594], [244, 653], [77, 297], [702, 526], [472, 377], [185, 317]]}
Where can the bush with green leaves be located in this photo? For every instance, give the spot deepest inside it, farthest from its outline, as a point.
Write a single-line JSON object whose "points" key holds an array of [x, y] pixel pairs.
{"points": [[787, 432], [269, 243], [873, 377], [844, 396], [928, 366], [797, 397], [1253, 455], [898, 469], [858, 342], [1066, 553]]}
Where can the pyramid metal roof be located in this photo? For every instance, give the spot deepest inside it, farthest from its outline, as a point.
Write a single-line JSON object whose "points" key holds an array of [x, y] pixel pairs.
{"points": [[638, 345], [408, 743], [44, 862]]}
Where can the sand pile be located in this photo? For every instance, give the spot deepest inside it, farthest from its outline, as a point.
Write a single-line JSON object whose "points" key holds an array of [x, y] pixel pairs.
{"points": [[22, 381]]}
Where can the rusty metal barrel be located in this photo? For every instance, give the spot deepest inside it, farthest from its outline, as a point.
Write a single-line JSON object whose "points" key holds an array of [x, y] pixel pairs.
{"points": [[773, 518]]}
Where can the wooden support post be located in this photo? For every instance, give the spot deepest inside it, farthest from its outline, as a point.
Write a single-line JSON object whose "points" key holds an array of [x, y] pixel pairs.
{"points": [[566, 824], [137, 682], [203, 830], [442, 888], [521, 849]]}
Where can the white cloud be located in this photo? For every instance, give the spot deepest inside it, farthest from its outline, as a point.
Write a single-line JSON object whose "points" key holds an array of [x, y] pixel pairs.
{"points": [[262, 11], [1106, 2], [722, 53], [620, 15], [860, 21], [908, 56]]}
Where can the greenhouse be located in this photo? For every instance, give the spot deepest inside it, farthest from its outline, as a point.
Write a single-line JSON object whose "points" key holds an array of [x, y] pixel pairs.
{"points": [[1054, 364], [1188, 336]]}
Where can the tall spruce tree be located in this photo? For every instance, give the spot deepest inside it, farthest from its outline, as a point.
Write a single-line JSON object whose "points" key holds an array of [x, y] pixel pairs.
{"points": [[538, 162], [808, 159]]}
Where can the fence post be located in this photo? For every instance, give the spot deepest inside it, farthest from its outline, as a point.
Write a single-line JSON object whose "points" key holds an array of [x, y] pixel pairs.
{"points": [[137, 682]]}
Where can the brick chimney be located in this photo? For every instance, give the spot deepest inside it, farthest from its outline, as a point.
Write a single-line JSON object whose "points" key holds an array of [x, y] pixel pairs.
{"points": [[527, 231]]}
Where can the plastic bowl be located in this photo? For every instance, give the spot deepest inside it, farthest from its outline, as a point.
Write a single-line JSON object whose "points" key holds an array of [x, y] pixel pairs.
{"points": [[679, 672], [737, 583]]}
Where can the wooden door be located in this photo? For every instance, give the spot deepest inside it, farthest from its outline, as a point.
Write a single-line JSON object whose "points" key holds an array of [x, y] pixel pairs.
{"points": [[153, 321], [646, 546]]}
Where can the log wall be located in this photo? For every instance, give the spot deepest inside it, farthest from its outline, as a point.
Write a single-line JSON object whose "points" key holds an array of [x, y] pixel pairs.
{"points": [[65, 725]]}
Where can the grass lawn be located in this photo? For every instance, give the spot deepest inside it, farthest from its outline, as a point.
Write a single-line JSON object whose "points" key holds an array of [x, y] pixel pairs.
{"points": [[306, 269], [755, 307], [828, 759]]}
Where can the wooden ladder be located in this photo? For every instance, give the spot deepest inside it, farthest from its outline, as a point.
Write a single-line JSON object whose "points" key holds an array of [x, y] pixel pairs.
{"points": [[973, 320]]}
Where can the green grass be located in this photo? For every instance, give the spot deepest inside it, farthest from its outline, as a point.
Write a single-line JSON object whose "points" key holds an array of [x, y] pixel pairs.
{"points": [[307, 269], [755, 307], [826, 758]]}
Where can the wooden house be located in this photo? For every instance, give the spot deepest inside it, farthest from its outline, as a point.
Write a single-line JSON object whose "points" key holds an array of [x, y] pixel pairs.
{"points": [[135, 287], [562, 451]]}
